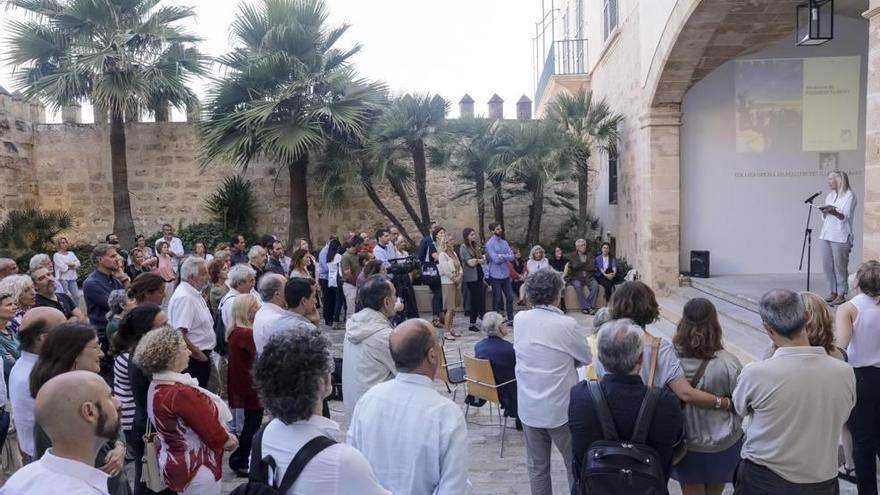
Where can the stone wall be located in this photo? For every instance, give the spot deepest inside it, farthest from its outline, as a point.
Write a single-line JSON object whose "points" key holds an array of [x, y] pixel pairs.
{"points": [[67, 166]]}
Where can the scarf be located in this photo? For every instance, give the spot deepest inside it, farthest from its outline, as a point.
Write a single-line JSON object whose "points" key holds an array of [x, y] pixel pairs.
{"points": [[223, 412]]}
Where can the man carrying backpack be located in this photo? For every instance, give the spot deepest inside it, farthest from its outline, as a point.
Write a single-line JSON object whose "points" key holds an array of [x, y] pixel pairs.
{"points": [[623, 433]]}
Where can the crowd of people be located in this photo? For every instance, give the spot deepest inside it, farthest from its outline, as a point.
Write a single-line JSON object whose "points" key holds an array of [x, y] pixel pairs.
{"points": [[182, 355]]}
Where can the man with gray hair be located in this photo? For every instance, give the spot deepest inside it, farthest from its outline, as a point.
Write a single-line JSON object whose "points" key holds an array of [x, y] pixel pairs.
{"points": [[797, 402], [273, 314], [44, 261], [549, 346], [7, 267], [100, 283], [582, 270], [189, 313], [620, 344], [257, 260], [241, 279]]}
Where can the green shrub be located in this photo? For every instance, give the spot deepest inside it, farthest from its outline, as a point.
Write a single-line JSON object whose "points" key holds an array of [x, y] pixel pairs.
{"points": [[209, 233], [30, 230], [83, 252], [233, 205]]}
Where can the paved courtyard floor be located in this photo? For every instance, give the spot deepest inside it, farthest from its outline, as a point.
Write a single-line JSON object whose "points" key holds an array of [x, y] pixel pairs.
{"points": [[489, 473]]}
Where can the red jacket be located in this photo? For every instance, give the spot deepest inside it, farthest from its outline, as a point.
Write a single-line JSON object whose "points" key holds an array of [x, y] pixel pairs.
{"points": [[191, 433]]}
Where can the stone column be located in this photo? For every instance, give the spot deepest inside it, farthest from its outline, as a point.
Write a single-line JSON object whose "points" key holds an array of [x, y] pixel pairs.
{"points": [[524, 109], [99, 116], [71, 114], [660, 198], [872, 138], [466, 107], [496, 107], [193, 111]]}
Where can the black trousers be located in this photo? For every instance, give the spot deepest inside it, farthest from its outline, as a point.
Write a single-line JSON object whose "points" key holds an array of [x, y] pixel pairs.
{"points": [[328, 301], [606, 284], [437, 300], [754, 479], [253, 418], [478, 300], [864, 424], [200, 370]]}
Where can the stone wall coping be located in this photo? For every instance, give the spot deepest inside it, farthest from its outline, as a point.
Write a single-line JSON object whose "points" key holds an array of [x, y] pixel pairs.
{"points": [[873, 10]]}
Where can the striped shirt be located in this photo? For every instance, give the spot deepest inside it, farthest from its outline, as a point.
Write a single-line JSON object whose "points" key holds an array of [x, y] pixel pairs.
{"points": [[122, 389]]}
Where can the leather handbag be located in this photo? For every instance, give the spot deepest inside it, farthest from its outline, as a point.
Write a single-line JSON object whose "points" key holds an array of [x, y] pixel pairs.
{"points": [[151, 472]]}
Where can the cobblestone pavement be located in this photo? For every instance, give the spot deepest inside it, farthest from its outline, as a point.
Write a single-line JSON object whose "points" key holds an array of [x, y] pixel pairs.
{"points": [[489, 473]]}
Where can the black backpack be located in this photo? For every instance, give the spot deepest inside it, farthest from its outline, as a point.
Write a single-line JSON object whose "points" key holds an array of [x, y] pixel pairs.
{"points": [[258, 475], [612, 465]]}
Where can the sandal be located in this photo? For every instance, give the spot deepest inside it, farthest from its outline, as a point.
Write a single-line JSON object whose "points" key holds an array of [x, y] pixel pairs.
{"points": [[449, 336], [847, 474], [437, 323]]}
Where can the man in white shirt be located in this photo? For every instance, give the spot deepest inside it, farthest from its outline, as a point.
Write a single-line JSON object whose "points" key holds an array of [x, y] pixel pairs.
{"points": [[189, 313], [549, 348], [175, 246], [78, 412], [415, 439], [366, 358], [796, 403], [35, 325], [272, 315], [241, 279]]}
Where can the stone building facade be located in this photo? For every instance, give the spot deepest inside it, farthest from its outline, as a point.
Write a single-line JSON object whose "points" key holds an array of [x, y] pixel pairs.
{"points": [[643, 57], [67, 166]]}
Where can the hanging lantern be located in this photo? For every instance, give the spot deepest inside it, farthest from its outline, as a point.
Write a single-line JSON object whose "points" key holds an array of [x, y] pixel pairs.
{"points": [[815, 22]]}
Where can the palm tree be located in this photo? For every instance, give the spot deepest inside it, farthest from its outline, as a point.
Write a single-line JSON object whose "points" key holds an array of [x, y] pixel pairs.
{"points": [[117, 53], [285, 91], [474, 155], [406, 129], [586, 126], [530, 157]]}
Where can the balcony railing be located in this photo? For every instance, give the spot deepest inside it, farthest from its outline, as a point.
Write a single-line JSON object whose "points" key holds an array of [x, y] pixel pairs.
{"points": [[565, 57]]}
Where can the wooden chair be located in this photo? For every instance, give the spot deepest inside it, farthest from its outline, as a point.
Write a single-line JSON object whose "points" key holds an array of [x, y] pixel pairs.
{"points": [[451, 372], [481, 384]]}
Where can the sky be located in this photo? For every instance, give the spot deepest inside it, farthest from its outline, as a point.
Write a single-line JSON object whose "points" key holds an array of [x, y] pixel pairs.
{"points": [[448, 47]]}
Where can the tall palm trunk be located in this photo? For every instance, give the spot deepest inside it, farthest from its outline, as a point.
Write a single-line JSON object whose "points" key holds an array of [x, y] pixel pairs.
{"points": [[367, 182], [498, 201], [123, 226], [583, 192], [420, 172], [480, 187], [398, 189], [298, 224], [536, 210]]}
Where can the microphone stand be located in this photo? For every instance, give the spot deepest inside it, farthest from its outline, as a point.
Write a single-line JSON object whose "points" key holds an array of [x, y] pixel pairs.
{"points": [[808, 242]]}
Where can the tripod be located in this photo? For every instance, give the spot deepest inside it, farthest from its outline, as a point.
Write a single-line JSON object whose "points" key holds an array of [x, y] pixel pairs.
{"points": [[808, 239]]}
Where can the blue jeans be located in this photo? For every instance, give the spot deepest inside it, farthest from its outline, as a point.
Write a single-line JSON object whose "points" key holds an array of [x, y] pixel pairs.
{"points": [[500, 285], [72, 289]]}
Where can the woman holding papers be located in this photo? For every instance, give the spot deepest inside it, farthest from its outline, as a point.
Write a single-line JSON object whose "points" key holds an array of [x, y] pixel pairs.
{"points": [[837, 235]]}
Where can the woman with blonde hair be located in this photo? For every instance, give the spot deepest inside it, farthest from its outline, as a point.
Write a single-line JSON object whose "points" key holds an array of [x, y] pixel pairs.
{"points": [[240, 386], [836, 237], [857, 323], [537, 260], [449, 267]]}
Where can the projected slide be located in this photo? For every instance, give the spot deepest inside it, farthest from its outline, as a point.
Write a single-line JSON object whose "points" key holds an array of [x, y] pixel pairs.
{"points": [[797, 104]]}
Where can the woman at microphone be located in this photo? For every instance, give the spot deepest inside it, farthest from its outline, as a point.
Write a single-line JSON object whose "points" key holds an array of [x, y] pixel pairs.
{"points": [[837, 235]]}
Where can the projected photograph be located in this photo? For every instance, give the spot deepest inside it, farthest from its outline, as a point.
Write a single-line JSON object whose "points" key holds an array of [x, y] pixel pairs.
{"points": [[769, 96]]}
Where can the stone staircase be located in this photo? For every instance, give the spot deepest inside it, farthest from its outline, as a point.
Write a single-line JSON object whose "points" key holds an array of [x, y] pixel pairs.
{"points": [[743, 333]]}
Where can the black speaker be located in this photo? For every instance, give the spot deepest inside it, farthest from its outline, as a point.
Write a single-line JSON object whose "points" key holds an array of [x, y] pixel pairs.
{"points": [[700, 264]]}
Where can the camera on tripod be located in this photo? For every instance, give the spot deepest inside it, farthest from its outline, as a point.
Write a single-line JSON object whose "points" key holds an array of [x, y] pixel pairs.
{"points": [[403, 265]]}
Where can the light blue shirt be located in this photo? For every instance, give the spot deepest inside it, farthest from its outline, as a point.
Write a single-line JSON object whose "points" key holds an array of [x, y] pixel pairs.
{"points": [[415, 439], [323, 269], [381, 253], [498, 254], [271, 319]]}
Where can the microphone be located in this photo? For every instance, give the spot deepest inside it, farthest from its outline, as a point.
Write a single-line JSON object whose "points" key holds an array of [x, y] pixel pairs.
{"points": [[811, 198]]}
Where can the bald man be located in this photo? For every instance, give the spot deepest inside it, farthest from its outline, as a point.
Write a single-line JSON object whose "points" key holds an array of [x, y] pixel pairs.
{"points": [[427, 425], [35, 325], [78, 412], [7, 268]]}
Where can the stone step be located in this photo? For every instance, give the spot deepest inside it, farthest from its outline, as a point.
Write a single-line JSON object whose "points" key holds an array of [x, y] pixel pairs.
{"points": [[733, 297], [743, 333]]}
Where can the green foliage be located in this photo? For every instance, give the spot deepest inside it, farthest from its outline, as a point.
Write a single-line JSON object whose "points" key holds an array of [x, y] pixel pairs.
{"points": [[83, 253], [209, 233], [233, 205], [32, 230]]}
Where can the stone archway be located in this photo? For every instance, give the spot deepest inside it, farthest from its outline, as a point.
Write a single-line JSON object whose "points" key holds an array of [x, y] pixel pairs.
{"points": [[699, 36]]}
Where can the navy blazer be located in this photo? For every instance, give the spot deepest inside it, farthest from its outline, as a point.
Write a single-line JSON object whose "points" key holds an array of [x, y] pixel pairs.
{"points": [[624, 395], [500, 354]]}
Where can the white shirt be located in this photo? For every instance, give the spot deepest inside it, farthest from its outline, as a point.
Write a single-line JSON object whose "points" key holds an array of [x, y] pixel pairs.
{"points": [[53, 475], [796, 403], [337, 470], [227, 301], [833, 228], [271, 319], [22, 402], [333, 270], [62, 271], [549, 348], [415, 438], [188, 309], [864, 346], [534, 265]]}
